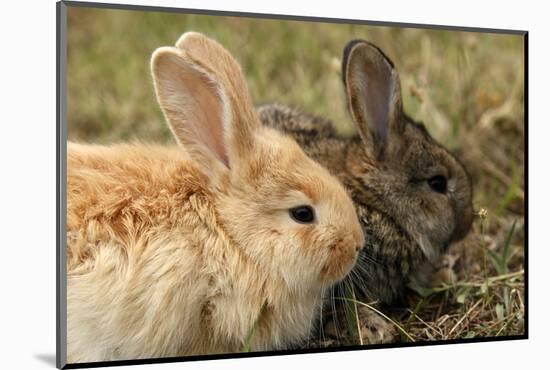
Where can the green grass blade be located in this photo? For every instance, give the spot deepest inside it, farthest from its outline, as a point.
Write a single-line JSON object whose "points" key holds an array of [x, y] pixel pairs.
{"points": [[352, 315], [506, 249], [496, 261]]}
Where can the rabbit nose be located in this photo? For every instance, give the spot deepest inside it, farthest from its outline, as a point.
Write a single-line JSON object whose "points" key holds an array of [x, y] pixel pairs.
{"points": [[358, 247]]}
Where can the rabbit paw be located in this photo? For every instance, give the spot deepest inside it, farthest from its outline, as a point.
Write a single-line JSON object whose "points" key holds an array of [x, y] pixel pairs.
{"points": [[374, 328]]}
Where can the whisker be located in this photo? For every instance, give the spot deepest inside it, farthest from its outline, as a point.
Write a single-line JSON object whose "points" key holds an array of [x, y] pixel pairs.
{"points": [[321, 313]]}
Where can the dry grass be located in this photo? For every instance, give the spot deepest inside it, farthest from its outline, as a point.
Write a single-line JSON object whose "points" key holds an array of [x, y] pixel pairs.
{"points": [[466, 87]]}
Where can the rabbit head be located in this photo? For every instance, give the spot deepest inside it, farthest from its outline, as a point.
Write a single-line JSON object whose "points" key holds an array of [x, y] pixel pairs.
{"points": [[286, 213], [405, 173]]}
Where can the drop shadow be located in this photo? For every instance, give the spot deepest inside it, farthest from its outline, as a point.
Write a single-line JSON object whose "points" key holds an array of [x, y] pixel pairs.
{"points": [[47, 358]]}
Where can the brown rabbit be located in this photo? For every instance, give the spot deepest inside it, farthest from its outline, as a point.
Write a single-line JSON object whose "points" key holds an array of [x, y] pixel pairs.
{"points": [[413, 197], [229, 239]]}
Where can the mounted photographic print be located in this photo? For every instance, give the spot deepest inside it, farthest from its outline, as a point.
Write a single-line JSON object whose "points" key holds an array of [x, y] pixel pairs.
{"points": [[235, 184]]}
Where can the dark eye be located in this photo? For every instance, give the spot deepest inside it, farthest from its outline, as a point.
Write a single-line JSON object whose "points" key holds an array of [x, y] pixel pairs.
{"points": [[302, 214], [438, 183]]}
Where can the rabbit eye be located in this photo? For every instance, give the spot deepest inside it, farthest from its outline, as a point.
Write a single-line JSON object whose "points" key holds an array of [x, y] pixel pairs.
{"points": [[438, 184], [302, 214]]}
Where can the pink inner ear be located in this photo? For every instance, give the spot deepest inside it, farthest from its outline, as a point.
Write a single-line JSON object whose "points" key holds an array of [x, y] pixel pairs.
{"points": [[209, 112], [203, 113]]}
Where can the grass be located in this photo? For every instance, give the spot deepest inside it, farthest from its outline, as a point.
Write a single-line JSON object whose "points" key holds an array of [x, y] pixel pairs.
{"points": [[466, 87]]}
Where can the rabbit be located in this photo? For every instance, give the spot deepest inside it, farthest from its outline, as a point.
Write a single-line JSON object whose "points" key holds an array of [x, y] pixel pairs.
{"points": [[224, 243], [413, 197]]}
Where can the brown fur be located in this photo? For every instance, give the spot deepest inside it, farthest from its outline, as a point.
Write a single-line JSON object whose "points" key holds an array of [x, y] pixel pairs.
{"points": [[183, 251], [385, 167]]}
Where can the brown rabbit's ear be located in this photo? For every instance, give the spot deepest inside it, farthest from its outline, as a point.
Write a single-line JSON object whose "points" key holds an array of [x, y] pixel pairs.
{"points": [[201, 108], [373, 93]]}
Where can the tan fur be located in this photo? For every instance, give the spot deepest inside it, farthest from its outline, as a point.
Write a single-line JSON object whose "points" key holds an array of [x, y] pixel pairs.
{"points": [[177, 251]]}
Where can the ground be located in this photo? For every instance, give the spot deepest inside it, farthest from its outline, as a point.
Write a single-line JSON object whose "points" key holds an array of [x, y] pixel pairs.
{"points": [[468, 88]]}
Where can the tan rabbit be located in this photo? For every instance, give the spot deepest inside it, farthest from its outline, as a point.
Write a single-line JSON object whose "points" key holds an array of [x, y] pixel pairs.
{"points": [[228, 239]]}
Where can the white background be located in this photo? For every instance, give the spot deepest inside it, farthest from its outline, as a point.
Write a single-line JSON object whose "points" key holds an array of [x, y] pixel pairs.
{"points": [[27, 207]]}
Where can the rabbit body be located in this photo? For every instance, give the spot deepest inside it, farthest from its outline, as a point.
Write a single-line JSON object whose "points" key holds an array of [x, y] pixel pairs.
{"points": [[413, 197], [152, 263], [193, 250]]}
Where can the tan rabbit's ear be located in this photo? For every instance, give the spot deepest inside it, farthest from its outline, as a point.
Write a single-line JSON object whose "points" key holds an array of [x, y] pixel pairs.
{"points": [[192, 41], [228, 71], [373, 93], [203, 107]]}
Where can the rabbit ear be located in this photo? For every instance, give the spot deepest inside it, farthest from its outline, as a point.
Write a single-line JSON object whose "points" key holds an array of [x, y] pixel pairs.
{"points": [[204, 108], [193, 103], [373, 93], [192, 41], [228, 71]]}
